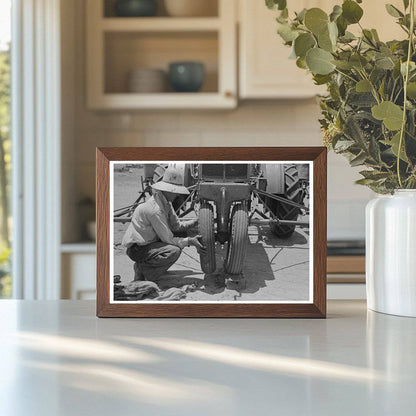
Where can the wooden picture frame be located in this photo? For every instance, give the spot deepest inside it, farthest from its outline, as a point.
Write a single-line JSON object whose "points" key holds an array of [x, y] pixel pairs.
{"points": [[315, 308]]}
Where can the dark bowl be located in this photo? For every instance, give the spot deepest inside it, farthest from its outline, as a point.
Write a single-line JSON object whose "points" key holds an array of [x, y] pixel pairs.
{"points": [[186, 76], [135, 8]]}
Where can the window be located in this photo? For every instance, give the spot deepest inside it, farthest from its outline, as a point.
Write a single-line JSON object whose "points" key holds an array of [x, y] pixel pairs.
{"points": [[5, 145]]}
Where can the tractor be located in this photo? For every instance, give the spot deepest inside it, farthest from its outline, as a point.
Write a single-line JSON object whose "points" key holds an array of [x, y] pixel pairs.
{"points": [[229, 196], [225, 196]]}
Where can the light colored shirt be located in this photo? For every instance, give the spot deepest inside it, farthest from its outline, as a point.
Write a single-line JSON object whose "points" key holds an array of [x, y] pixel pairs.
{"points": [[155, 220]]}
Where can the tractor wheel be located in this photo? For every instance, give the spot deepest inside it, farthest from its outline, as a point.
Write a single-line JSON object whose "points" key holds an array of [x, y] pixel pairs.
{"points": [[237, 245], [282, 211], [206, 230]]}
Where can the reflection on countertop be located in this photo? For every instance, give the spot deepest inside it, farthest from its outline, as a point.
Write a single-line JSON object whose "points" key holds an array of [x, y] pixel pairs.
{"points": [[63, 360]]}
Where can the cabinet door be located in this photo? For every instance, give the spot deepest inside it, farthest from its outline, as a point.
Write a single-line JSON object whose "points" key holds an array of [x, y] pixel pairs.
{"points": [[265, 68]]}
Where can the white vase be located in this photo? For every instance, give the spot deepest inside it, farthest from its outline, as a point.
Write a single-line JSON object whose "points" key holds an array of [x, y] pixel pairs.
{"points": [[391, 253]]}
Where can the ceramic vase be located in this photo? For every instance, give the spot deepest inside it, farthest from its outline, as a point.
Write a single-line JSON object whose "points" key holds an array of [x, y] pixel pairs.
{"points": [[391, 253]]}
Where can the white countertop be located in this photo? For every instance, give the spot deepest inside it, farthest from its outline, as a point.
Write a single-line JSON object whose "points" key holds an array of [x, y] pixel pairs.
{"points": [[57, 359]]}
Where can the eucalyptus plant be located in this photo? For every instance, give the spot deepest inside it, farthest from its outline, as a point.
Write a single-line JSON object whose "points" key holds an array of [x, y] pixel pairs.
{"points": [[369, 112]]}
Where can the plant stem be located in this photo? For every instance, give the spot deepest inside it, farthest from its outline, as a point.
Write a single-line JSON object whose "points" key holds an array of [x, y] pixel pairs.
{"points": [[406, 80], [345, 75]]}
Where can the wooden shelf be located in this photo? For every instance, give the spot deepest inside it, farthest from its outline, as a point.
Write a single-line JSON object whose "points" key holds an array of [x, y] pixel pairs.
{"points": [[159, 24], [163, 101], [80, 247]]}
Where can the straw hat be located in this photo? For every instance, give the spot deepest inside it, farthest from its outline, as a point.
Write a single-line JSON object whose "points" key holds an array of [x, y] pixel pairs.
{"points": [[172, 182]]}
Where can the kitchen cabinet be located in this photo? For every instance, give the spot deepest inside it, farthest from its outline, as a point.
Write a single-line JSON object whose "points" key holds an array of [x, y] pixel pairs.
{"points": [[265, 70], [78, 263], [118, 45]]}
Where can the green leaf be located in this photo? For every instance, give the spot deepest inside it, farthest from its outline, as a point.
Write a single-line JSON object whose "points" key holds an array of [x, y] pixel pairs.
{"points": [[393, 11], [333, 32], [319, 61], [321, 79], [374, 175], [376, 76], [327, 39], [382, 88], [301, 63], [325, 42], [354, 131], [394, 143], [396, 71], [336, 12], [341, 64], [412, 67], [286, 32], [361, 99], [348, 37], [406, 4], [358, 61], [316, 20], [343, 145], [342, 25], [375, 35], [385, 63], [364, 181], [276, 4], [301, 15], [368, 36], [374, 150], [363, 86], [358, 160], [411, 90], [303, 43], [351, 11], [390, 113]]}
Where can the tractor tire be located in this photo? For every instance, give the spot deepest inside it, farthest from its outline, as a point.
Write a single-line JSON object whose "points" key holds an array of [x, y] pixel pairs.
{"points": [[206, 230], [237, 245], [293, 192]]}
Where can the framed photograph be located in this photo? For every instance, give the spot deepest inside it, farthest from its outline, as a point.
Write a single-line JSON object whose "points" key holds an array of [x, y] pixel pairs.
{"points": [[211, 232]]}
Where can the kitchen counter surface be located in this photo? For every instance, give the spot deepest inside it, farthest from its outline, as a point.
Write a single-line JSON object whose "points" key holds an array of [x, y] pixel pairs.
{"points": [[57, 358]]}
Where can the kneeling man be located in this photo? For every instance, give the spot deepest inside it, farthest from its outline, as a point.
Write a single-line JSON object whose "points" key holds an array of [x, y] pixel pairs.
{"points": [[150, 239]]}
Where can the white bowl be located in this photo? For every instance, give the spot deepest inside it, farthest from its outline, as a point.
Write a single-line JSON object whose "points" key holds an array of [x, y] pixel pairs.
{"points": [[146, 80], [191, 8]]}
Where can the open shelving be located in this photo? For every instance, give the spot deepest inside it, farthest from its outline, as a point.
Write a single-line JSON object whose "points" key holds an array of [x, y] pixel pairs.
{"points": [[118, 45]]}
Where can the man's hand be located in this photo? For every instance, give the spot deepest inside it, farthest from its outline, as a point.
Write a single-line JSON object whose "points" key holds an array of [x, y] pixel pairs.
{"points": [[196, 242]]}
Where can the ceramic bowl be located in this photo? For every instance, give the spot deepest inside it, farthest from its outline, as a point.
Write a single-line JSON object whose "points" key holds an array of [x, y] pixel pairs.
{"points": [[147, 80], [135, 8], [186, 76]]}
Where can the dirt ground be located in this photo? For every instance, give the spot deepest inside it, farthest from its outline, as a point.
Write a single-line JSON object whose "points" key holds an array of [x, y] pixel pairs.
{"points": [[274, 269]]}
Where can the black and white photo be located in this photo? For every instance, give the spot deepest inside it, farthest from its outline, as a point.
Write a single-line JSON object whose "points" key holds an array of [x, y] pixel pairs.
{"points": [[211, 232]]}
